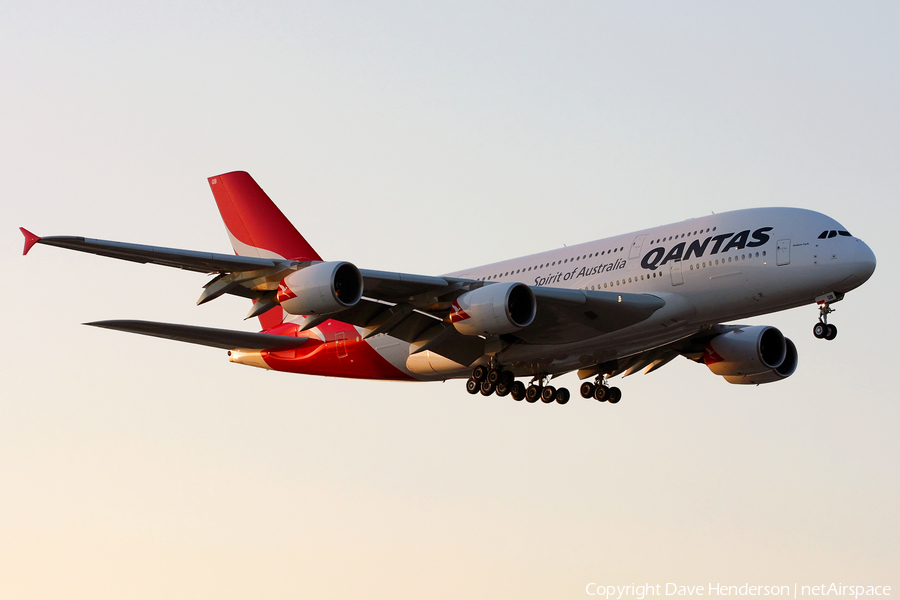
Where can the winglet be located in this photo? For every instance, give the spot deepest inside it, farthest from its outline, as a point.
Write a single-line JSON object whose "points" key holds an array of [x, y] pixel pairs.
{"points": [[30, 240]]}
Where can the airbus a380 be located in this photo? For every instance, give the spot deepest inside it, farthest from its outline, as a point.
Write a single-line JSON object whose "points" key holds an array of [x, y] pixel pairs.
{"points": [[614, 306]]}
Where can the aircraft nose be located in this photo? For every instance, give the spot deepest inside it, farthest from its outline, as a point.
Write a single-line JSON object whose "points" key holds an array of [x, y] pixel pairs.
{"points": [[865, 261]]}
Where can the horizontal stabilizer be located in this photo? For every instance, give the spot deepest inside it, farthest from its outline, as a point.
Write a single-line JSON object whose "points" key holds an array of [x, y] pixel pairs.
{"points": [[226, 339]]}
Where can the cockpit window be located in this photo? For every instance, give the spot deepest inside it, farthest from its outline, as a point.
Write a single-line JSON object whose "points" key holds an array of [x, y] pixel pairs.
{"points": [[832, 233]]}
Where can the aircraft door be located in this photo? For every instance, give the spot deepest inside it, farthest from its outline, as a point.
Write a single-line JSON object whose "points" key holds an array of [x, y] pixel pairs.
{"points": [[635, 251], [783, 253], [675, 271]]}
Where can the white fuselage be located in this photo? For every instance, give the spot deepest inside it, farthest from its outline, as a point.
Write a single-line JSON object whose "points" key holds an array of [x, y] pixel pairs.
{"points": [[709, 270]]}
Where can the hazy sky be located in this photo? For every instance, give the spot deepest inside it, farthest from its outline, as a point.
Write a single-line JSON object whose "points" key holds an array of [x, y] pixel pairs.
{"points": [[429, 137]]}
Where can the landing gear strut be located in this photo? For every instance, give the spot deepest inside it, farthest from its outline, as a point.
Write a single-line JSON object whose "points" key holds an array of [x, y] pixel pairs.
{"points": [[823, 330], [600, 391]]}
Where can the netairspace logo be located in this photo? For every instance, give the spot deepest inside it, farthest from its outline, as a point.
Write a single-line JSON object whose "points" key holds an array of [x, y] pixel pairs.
{"points": [[641, 592]]}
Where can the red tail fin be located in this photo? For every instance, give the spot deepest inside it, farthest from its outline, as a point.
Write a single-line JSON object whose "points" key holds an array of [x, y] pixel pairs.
{"points": [[254, 223], [256, 226]]}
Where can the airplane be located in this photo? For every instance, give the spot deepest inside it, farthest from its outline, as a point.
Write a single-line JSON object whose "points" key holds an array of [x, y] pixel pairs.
{"points": [[604, 308]]}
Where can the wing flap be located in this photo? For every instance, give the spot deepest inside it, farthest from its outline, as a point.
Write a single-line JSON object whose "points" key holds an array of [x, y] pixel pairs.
{"points": [[226, 339]]}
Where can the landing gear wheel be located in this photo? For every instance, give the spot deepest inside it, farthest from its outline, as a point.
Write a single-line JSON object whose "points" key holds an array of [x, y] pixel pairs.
{"points": [[487, 388], [562, 396], [615, 394], [601, 393], [548, 395], [472, 386], [503, 389], [532, 393], [507, 377], [493, 376], [518, 391], [587, 389], [479, 373], [823, 330]]}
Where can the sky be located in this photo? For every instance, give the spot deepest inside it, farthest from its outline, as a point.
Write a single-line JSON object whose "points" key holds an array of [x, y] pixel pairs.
{"points": [[427, 138]]}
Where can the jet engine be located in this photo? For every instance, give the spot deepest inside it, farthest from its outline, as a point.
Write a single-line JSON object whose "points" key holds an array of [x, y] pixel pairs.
{"points": [[752, 355], [321, 289], [494, 309], [783, 371]]}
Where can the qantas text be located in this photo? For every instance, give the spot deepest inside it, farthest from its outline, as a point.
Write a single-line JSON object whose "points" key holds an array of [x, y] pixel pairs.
{"points": [[738, 241]]}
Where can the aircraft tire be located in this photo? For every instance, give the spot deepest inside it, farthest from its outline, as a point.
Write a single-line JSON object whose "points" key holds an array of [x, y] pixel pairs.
{"points": [[518, 390], [548, 394], [830, 332], [532, 393], [562, 395], [819, 330], [472, 386], [493, 376], [601, 393], [479, 373], [587, 389], [615, 394], [487, 388], [503, 389]]}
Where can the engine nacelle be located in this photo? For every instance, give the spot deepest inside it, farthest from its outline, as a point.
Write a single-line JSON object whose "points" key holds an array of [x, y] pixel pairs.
{"points": [[785, 370], [321, 289], [751, 355], [494, 309]]}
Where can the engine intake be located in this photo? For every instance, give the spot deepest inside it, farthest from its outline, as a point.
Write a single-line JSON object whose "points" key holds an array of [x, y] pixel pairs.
{"points": [[321, 289], [494, 309]]}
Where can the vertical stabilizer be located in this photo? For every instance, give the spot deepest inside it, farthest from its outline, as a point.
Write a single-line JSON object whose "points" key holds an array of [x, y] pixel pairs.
{"points": [[256, 226]]}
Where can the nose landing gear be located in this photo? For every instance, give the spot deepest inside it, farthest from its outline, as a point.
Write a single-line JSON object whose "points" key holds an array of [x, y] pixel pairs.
{"points": [[823, 330]]}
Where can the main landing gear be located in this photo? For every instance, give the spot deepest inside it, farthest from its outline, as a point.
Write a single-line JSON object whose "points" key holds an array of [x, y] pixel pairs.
{"points": [[823, 330], [494, 380], [600, 391]]}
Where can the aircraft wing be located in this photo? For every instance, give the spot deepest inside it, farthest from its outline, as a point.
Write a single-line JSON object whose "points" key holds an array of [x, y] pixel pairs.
{"points": [[202, 262], [413, 308], [563, 316], [692, 347], [226, 339]]}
